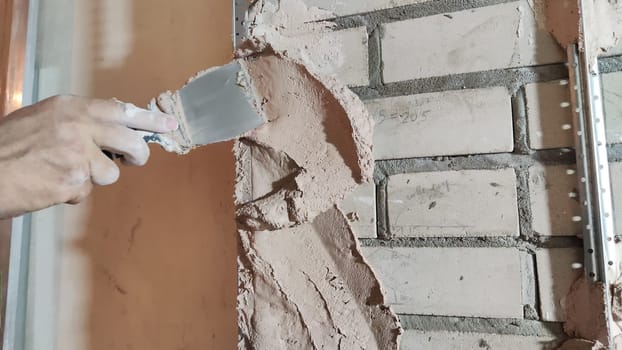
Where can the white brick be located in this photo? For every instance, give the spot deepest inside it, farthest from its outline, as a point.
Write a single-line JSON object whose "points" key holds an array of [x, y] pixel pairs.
{"points": [[615, 51], [552, 205], [444, 123], [416, 340], [546, 116], [360, 208], [345, 7], [555, 276], [352, 68], [454, 203], [491, 37], [478, 282], [612, 87], [549, 115], [615, 172]]}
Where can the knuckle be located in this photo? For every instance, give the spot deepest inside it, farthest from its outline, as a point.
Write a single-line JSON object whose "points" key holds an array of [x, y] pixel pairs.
{"points": [[103, 109], [76, 175]]}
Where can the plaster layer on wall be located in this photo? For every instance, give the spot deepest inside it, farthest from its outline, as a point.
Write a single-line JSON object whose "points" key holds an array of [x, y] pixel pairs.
{"points": [[602, 27], [558, 17], [616, 311], [303, 283], [585, 311], [290, 26], [313, 126], [581, 344]]}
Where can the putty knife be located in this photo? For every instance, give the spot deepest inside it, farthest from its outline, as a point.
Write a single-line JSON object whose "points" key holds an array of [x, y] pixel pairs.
{"points": [[217, 106]]}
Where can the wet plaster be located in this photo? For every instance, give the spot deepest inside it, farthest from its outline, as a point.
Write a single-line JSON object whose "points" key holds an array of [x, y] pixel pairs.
{"points": [[513, 79], [303, 282]]}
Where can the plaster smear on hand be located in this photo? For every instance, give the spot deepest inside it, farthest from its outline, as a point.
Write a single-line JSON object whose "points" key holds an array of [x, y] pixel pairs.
{"points": [[303, 283]]}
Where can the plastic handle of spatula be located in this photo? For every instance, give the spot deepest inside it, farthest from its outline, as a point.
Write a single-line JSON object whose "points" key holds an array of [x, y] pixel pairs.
{"points": [[147, 136]]}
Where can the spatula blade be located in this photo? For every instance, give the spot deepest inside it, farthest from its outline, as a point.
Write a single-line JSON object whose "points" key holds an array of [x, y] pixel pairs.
{"points": [[219, 106]]}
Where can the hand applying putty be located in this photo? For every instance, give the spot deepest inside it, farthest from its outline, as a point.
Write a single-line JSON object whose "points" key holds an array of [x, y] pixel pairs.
{"points": [[51, 152]]}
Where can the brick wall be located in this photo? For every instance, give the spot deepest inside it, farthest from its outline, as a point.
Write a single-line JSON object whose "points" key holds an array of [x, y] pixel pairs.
{"points": [[471, 224]]}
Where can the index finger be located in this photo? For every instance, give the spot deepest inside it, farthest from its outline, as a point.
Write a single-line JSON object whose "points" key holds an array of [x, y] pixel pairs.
{"points": [[131, 116]]}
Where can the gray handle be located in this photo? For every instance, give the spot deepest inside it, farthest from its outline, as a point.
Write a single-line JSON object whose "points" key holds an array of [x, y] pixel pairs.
{"points": [[149, 138]]}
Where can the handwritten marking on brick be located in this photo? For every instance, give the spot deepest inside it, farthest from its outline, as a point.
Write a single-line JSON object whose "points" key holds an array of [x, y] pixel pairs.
{"points": [[454, 203], [477, 282], [444, 123]]}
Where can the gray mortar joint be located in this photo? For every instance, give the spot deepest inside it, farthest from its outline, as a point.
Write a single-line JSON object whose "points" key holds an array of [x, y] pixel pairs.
{"points": [[514, 79]]}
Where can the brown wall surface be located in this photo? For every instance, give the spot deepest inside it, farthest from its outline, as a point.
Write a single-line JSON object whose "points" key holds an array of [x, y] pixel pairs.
{"points": [[150, 262]]}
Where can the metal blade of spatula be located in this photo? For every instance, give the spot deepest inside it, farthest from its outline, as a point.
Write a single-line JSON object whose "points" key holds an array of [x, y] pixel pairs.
{"points": [[219, 105]]}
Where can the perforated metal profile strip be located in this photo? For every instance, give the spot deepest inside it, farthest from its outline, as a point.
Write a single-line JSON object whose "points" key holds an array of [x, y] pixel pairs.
{"points": [[592, 168], [239, 21], [589, 243]]}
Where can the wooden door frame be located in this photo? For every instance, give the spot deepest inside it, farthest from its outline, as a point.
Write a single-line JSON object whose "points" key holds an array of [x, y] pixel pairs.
{"points": [[13, 31], [13, 37]]}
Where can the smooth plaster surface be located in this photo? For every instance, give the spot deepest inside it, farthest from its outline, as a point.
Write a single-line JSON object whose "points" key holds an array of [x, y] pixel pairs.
{"points": [[150, 262]]}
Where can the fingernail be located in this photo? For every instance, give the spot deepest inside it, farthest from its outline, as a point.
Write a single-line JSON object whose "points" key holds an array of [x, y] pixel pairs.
{"points": [[172, 124]]}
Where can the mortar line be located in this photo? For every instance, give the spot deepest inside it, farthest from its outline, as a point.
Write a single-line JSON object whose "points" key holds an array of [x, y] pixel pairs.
{"points": [[519, 117], [528, 245], [610, 64], [390, 167], [538, 302], [614, 152], [506, 326], [412, 11], [374, 55], [528, 284], [382, 211], [525, 214], [493, 161], [510, 78]]}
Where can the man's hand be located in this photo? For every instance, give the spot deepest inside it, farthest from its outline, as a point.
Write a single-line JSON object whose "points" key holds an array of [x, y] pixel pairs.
{"points": [[51, 152]]}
